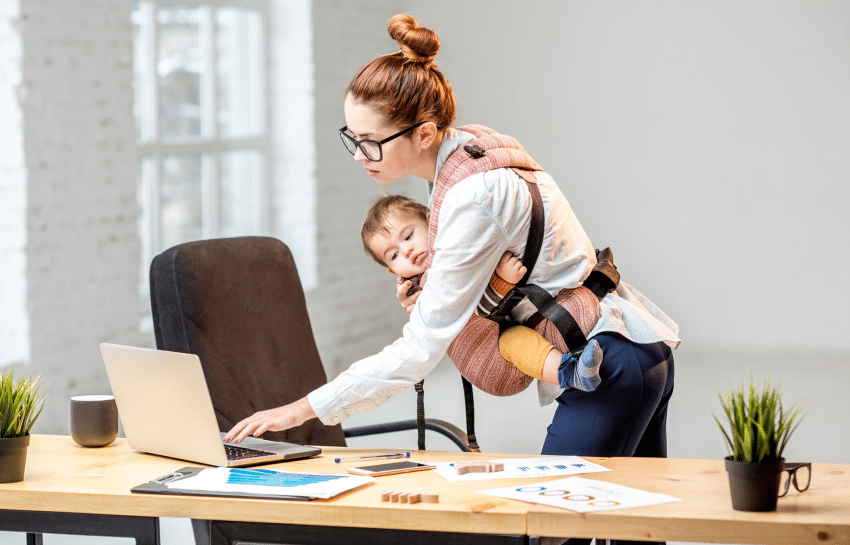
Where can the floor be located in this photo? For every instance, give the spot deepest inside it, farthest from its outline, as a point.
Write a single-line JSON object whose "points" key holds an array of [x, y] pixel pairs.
{"points": [[517, 424]]}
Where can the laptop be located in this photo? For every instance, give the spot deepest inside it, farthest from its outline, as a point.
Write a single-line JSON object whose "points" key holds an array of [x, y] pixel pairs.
{"points": [[165, 408]]}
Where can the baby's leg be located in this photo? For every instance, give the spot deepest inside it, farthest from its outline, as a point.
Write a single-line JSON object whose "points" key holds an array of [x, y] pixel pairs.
{"points": [[476, 351], [536, 357]]}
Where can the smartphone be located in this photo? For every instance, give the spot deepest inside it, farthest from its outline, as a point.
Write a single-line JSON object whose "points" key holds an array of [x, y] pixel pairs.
{"points": [[390, 469]]}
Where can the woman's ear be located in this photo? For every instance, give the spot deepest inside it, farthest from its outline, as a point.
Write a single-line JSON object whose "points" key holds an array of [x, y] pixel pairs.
{"points": [[427, 134]]}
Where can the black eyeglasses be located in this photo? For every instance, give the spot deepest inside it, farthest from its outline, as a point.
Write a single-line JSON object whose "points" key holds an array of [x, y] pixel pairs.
{"points": [[798, 473], [370, 148]]}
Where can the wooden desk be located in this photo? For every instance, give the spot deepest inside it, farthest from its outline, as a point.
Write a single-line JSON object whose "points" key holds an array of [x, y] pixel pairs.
{"points": [[69, 489], [820, 515], [69, 480]]}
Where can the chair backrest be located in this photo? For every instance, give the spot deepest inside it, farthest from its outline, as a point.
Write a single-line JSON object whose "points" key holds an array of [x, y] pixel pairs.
{"points": [[238, 304]]}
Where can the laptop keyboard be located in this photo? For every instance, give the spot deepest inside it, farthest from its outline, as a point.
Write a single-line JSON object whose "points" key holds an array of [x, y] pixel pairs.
{"points": [[242, 453]]}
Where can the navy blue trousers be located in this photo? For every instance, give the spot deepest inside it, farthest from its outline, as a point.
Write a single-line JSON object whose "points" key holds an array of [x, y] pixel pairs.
{"points": [[625, 416]]}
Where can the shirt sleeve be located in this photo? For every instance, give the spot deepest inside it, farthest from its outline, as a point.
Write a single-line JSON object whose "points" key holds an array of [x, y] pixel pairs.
{"points": [[497, 289], [465, 256]]}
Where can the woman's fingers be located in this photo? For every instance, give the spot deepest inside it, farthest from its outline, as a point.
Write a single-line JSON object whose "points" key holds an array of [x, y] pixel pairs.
{"points": [[402, 286], [410, 302], [257, 424]]}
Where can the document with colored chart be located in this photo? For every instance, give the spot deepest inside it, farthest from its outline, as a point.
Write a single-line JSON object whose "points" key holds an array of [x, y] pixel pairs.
{"points": [[549, 466], [581, 495], [267, 482]]}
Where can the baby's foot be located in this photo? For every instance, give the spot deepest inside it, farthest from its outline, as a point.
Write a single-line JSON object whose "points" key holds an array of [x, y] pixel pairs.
{"points": [[582, 373]]}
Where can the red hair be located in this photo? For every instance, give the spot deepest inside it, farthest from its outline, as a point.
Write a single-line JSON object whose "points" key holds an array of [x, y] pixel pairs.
{"points": [[406, 87]]}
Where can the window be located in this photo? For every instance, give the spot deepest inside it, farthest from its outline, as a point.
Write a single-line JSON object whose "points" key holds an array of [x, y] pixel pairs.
{"points": [[200, 109]]}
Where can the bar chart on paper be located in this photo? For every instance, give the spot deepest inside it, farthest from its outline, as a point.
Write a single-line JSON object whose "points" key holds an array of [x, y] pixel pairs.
{"points": [[267, 477], [267, 482]]}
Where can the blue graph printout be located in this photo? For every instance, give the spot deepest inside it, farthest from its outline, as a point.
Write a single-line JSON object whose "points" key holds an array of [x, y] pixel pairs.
{"points": [[267, 477], [267, 482]]}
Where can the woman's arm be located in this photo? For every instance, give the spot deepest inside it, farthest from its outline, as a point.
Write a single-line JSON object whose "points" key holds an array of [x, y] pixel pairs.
{"points": [[469, 245]]}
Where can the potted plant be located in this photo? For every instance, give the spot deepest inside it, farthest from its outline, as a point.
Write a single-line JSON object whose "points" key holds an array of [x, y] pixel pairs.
{"points": [[21, 403], [759, 429]]}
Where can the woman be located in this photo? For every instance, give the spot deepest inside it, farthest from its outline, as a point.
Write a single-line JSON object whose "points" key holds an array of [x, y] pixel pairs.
{"points": [[399, 111]]}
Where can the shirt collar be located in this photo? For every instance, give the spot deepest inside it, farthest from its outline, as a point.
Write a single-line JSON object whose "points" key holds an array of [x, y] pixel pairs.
{"points": [[453, 140]]}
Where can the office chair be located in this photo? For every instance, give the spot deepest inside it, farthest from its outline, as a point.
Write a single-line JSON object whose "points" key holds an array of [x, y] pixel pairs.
{"points": [[238, 304]]}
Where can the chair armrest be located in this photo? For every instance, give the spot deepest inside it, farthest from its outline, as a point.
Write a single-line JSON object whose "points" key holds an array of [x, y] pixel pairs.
{"points": [[452, 432]]}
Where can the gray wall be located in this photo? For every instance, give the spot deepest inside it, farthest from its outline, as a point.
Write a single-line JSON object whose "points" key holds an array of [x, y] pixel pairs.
{"points": [[706, 142]]}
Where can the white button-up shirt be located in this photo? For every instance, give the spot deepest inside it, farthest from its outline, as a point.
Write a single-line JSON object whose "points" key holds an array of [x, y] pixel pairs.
{"points": [[482, 217]]}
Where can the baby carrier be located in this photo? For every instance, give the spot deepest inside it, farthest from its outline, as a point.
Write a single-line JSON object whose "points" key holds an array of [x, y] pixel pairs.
{"points": [[563, 320]]}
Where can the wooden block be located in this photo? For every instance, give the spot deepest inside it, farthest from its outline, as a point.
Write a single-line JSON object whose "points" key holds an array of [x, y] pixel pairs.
{"points": [[429, 498], [401, 496], [478, 466]]}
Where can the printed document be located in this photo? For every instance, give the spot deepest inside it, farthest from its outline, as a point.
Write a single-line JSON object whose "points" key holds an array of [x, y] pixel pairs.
{"points": [[270, 482], [549, 466]]}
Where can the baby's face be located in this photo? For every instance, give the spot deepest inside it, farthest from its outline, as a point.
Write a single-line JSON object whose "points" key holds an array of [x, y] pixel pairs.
{"points": [[404, 247]]}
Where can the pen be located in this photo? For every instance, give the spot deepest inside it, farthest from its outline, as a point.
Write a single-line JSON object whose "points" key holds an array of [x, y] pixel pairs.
{"points": [[374, 457]]}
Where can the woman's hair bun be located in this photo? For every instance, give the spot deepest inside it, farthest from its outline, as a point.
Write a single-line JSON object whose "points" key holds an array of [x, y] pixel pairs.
{"points": [[419, 45]]}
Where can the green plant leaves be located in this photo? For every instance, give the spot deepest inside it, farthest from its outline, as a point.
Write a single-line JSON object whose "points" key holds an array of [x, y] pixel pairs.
{"points": [[759, 426], [21, 404]]}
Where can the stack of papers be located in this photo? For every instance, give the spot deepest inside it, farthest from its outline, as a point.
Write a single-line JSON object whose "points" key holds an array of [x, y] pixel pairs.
{"points": [[266, 482]]}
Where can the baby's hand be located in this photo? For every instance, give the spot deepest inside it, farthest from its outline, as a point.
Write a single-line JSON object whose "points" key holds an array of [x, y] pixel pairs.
{"points": [[510, 268]]}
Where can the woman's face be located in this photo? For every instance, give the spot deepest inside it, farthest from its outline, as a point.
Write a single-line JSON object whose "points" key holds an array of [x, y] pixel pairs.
{"points": [[399, 155]]}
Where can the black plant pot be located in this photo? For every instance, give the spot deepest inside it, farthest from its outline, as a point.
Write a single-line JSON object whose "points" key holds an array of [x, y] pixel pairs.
{"points": [[13, 458], [754, 487]]}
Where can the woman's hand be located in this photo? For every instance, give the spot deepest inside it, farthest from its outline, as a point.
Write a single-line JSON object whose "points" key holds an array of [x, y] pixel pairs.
{"points": [[281, 418], [407, 301]]}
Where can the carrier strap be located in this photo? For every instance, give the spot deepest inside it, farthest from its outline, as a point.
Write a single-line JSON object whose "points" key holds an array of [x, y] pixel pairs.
{"points": [[529, 259], [558, 315], [420, 413], [470, 415]]}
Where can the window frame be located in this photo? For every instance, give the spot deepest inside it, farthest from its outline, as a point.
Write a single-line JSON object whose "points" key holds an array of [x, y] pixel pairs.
{"points": [[151, 145]]}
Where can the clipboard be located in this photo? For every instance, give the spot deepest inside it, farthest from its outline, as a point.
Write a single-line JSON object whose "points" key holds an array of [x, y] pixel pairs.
{"points": [[158, 486]]}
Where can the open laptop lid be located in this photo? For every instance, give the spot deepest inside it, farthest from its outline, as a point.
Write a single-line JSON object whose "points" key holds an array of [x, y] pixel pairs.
{"points": [[165, 408]]}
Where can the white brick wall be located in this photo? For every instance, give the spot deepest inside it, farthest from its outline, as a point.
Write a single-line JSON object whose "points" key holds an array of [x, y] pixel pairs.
{"points": [[82, 243], [76, 180], [14, 319]]}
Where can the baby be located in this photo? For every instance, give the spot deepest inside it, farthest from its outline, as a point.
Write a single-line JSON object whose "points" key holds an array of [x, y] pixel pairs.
{"points": [[395, 234]]}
